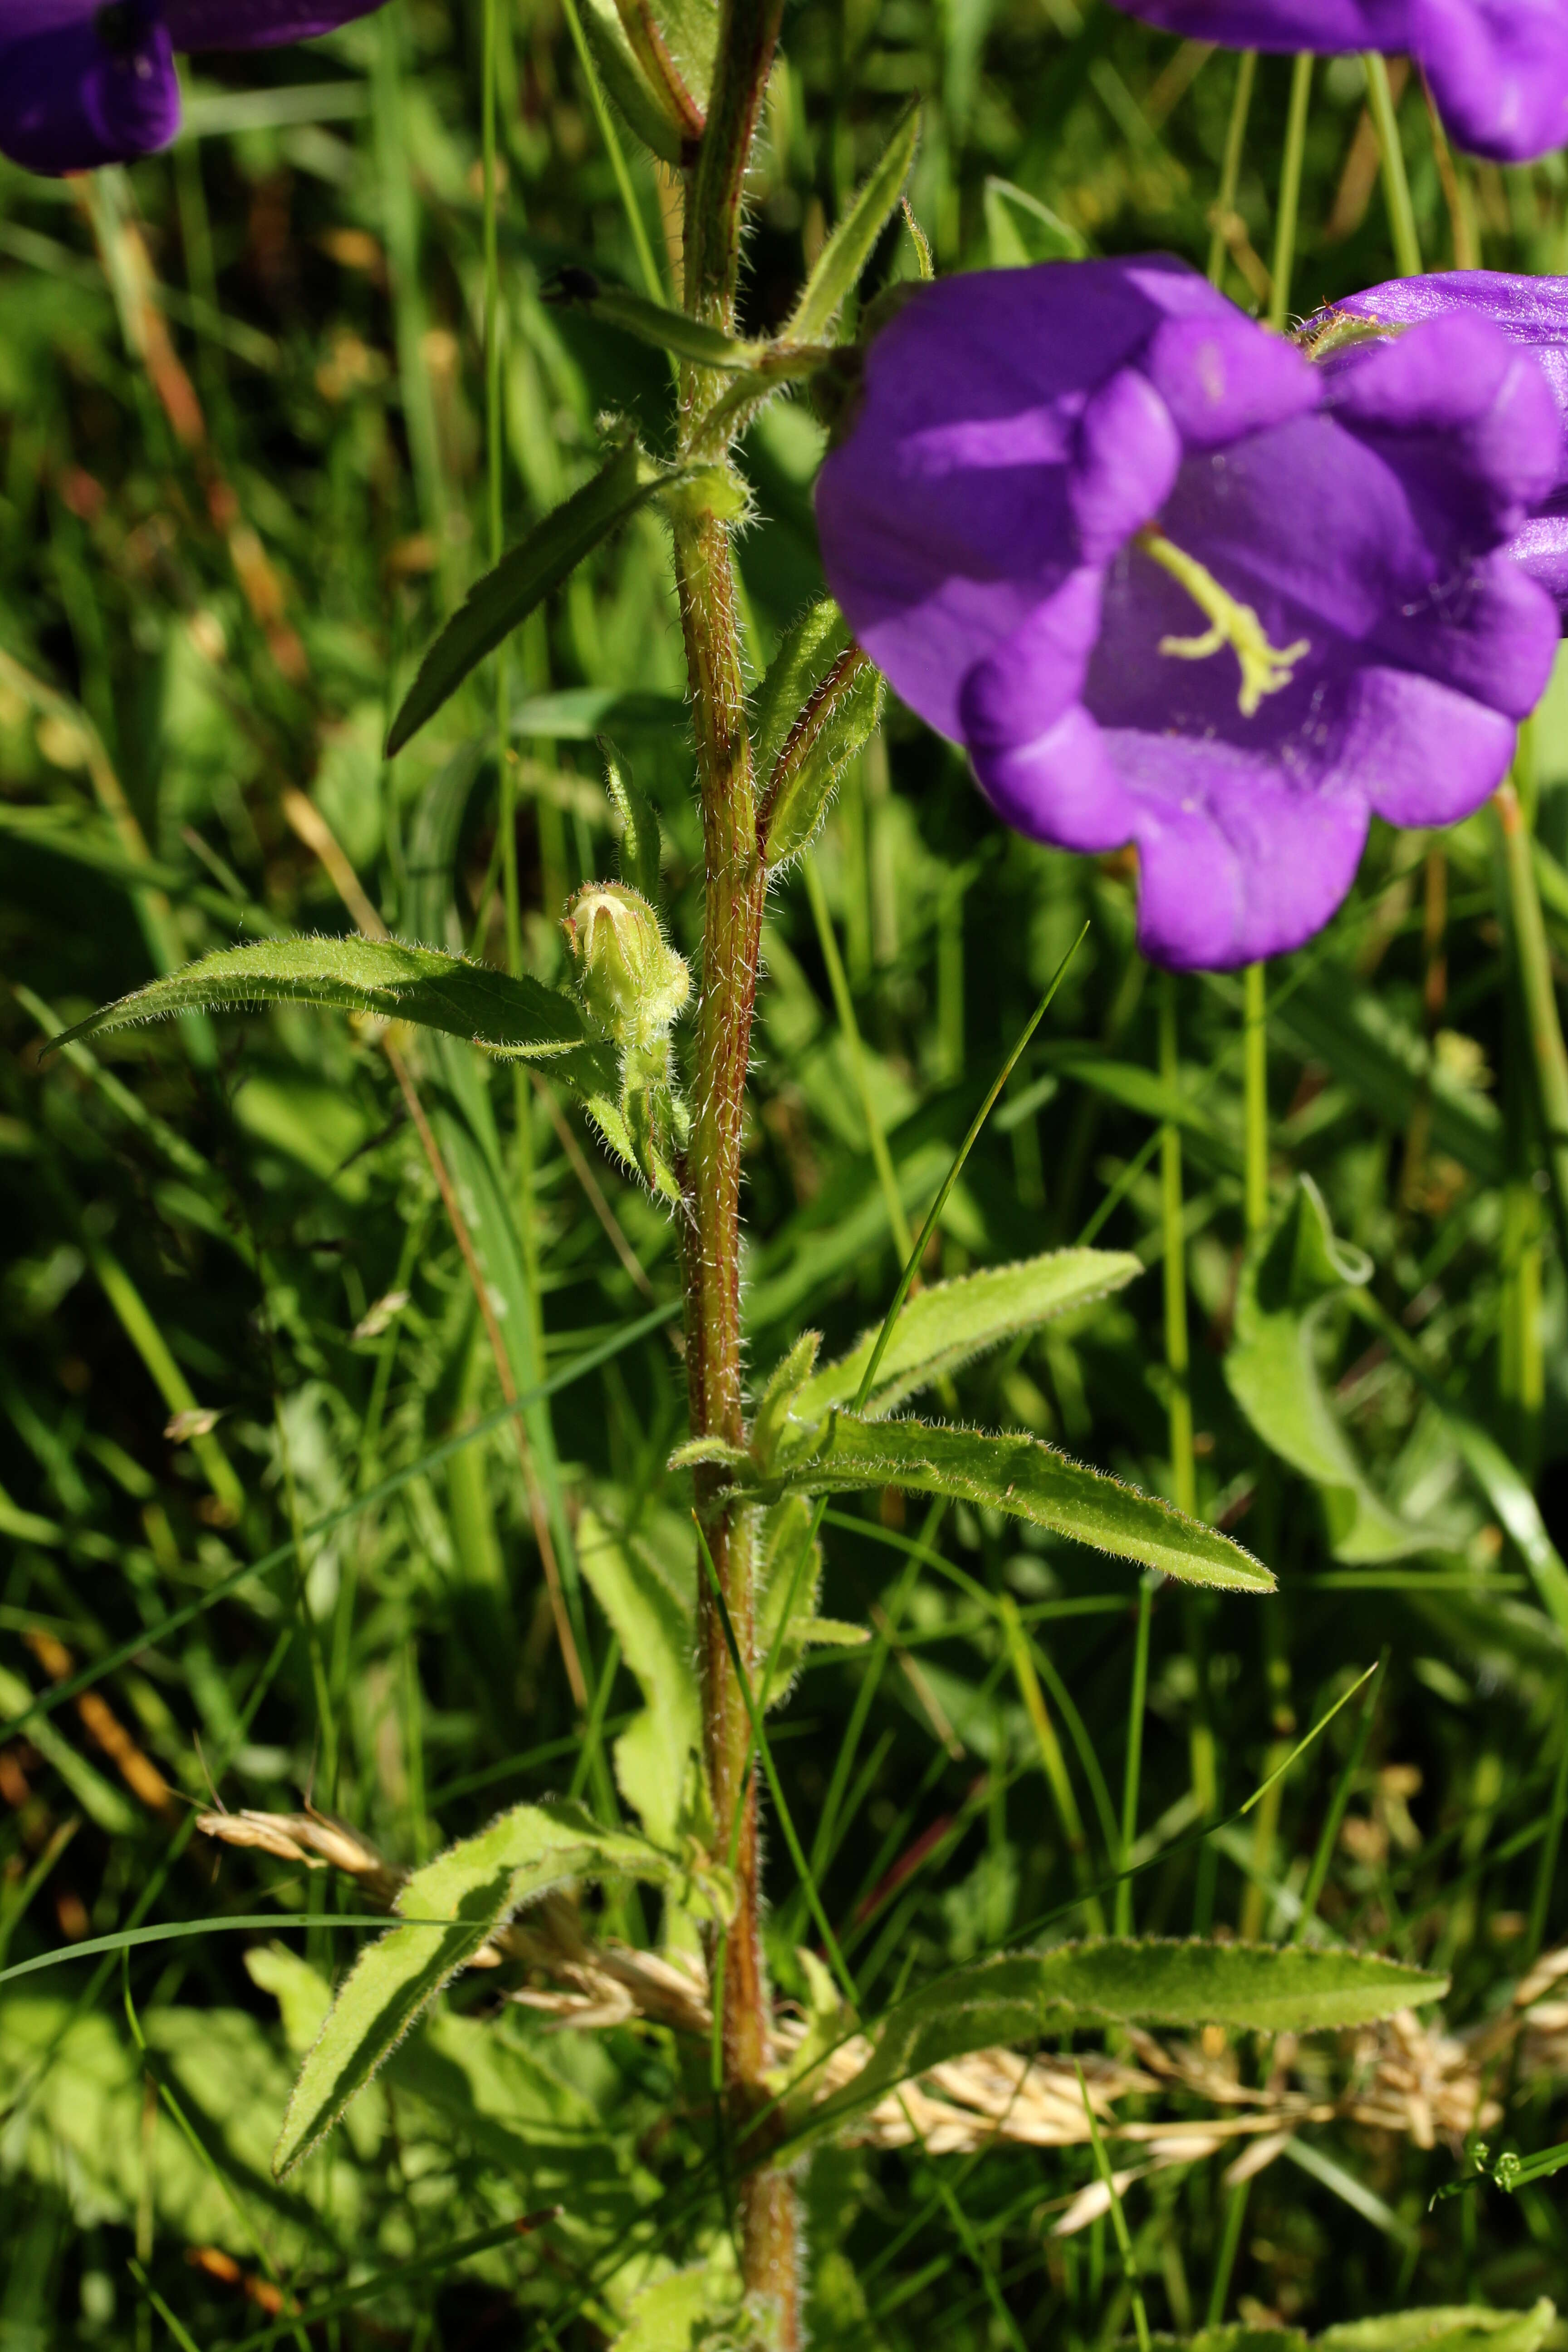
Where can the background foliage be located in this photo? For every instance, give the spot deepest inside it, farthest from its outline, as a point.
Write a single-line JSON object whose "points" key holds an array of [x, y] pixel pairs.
{"points": [[244, 477]]}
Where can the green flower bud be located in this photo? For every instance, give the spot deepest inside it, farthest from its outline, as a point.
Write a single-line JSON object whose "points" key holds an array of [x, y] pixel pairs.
{"points": [[629, 981]]}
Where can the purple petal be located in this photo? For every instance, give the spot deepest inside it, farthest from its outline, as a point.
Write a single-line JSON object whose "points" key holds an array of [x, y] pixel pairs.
{"points": [[1325, 26], [1327, 617], [1218, 380], [1423, 754], [257, 24], [1125, 465], [1540, 549], [1237, 858], [102, 89], [1498, 70], [945, 528], [1454, 384]]}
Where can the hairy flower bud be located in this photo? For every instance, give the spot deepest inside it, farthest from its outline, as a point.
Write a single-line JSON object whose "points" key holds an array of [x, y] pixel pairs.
{"points": [[628, 979]]}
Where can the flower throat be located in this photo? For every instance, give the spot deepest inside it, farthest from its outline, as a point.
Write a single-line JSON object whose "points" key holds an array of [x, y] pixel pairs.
{"points": [[1265, 668]]}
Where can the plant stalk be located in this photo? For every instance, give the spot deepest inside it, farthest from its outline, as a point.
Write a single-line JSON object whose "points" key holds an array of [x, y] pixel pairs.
{"points": [[735, 886], [1290, 191]]}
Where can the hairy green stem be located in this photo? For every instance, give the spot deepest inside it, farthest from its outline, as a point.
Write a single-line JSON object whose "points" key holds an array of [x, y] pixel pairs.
{"points": [[735, 881]]}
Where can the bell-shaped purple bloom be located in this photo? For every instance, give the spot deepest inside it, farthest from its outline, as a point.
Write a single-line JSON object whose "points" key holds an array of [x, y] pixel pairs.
{"points": [[1171, 584], [1530, 311], [1498, 68], [82, 85], [85, 87]]}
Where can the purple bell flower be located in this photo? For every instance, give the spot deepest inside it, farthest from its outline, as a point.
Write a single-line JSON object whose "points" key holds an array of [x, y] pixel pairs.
{"points": [[1532, 312], [80, 87], [1170, 583], [1498, 68], [83, 85]]}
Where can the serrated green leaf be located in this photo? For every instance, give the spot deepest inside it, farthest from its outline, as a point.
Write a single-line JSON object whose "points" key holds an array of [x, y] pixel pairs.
{"points": [[849, 249], [655, 1626], [458, 1900], [1288, 1278], [473, 1001], [1026, 1479], [1017, 1997], [810, 647], [525, 575], [947, 1326], [835, 723]]}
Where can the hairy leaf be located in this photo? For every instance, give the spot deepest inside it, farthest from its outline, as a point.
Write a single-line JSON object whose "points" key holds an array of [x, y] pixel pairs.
{"points": [[647, 107], [473, 1001], [849, 249], [804, 658], [1026, 1479], [655, 322], [835, 724], [1287, 1281], [522, 579], [457, 1900], [1123, 1981], [945, 1326]]}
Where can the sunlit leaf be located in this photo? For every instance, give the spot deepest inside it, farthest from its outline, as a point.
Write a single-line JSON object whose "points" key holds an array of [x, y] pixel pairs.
{"points": [[460, 1898], [1026, 1480], [1017, 1997], [473, 1001], [851, 246], [945, 1327], [522, 579]]}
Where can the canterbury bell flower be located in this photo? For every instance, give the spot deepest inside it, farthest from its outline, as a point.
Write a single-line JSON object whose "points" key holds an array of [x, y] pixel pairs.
{"points": [[81, 86], [1532, 313], [1497, 69], [1172, 583]]}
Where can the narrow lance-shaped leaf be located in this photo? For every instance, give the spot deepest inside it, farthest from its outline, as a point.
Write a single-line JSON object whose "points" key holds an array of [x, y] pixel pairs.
{"points": [[492, 1009], [952, 1322], [648, 106], [461, 1898], [1026, 1480], [848, 249], [654, 322], [652, 50], [1015, 1997], [836, 723], [522, 579]]}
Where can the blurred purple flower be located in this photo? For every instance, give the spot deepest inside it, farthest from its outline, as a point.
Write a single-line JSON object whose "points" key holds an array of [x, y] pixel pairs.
{"points": [[1530, 311], [1498, 68], [1171, 584], [81, 85]]}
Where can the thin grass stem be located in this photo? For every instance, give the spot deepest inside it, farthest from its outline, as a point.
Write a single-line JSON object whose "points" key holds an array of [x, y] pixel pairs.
{"points": [[1391, 154], [1287, 217]]}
